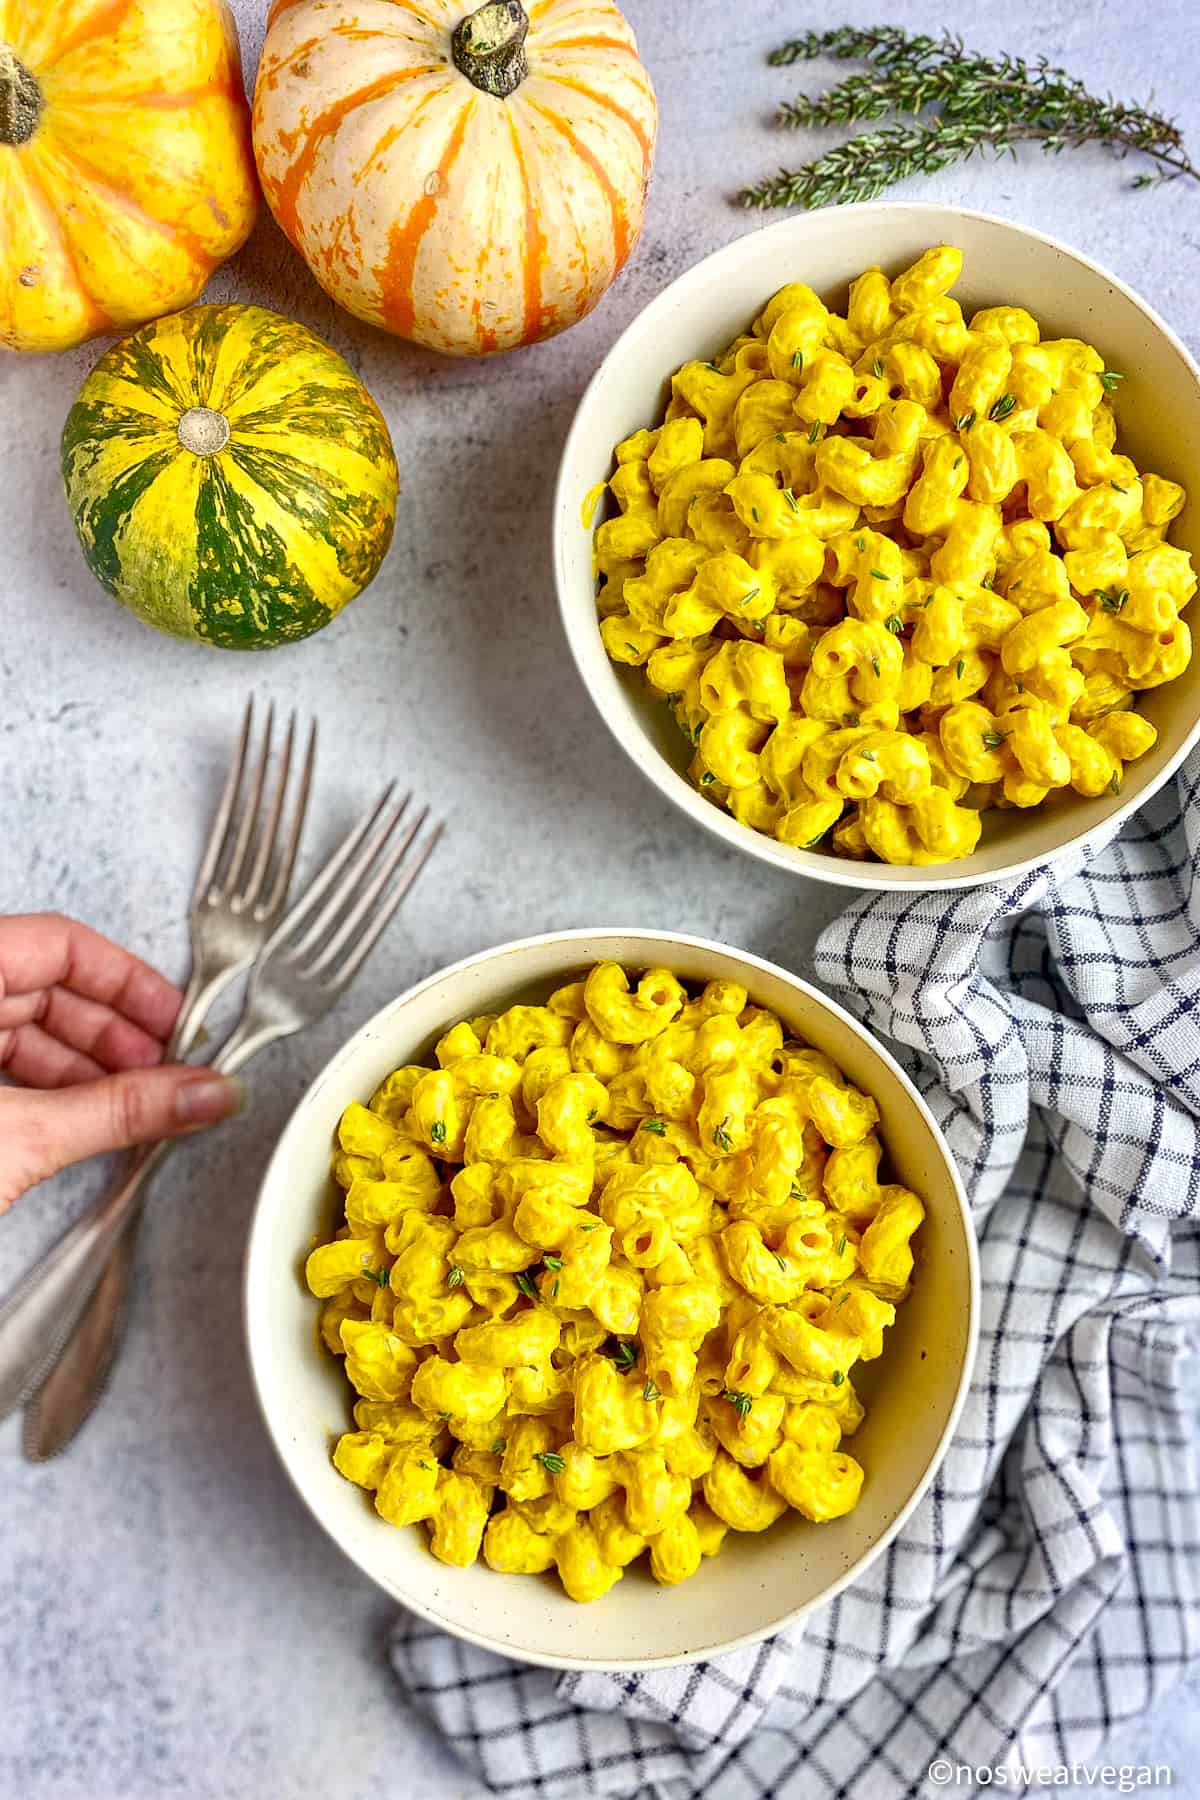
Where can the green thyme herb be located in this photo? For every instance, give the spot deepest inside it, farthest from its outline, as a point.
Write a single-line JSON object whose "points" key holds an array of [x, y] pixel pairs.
{"points": [[877, 369], [550, 1460], [526, 1286], [960, 668], [797, 359], [500, 1446], [964, 421], [814, 431], [553, 1262], [992, 740], [1111, 379], [437, 1132], [721, 1137], [895, 624], [740, 1402], [955, 104], [456, 1277], [654, 1126], [650, 1393], [1005, 404], [838, 1378], [1112, 599], [1114, 786], [880, 575]]}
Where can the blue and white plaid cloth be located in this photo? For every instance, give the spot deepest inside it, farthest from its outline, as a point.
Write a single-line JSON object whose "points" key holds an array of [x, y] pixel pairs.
{"points": [[1054, 1028]]}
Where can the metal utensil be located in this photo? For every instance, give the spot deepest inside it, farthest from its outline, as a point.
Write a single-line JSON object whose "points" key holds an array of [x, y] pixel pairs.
{"points": [[306, 965], [240, 893], [242, 886]]}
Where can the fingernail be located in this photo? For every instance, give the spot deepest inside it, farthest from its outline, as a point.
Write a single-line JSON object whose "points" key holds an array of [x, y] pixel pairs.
{"points": [[209, 1098]]}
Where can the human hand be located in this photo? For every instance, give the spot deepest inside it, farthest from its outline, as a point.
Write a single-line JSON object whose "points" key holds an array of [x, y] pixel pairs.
{"points": [[83, 1027]]}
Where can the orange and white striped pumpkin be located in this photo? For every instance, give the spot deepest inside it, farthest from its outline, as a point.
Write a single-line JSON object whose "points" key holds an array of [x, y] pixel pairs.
{"points": [[472, 180]]}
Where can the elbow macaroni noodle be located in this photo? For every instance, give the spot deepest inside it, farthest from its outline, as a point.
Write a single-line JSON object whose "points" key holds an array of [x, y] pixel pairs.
{"points": [[603, 1276], [889, 569]]}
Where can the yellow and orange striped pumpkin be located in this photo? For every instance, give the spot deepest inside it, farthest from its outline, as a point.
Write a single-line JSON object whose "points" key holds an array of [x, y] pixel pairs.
{"points": [[125, 167], [472, 180]]}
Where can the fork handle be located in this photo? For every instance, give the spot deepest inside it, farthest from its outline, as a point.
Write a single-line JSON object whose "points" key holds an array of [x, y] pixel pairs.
{"points": [[77, 1374], [78, 1379], [38, 1318]]}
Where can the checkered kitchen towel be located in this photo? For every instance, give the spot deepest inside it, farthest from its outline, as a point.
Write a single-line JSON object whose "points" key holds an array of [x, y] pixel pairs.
{"points": [[1054, 1028]]}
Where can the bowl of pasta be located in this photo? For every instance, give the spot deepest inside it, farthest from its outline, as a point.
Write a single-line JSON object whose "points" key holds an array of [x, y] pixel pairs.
{"points": [[872, 546], [611, 1299]]}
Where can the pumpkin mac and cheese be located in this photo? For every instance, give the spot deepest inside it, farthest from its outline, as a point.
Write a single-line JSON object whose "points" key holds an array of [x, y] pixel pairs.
{"points": [[890, 569], [604, 1274]]}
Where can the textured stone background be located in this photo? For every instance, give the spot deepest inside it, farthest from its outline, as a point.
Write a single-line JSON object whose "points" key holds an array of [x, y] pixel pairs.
{"points": [[171, 1620]]}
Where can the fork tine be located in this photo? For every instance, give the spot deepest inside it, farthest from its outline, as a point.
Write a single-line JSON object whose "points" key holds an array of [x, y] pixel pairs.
{"points": [[249, 817], [317, 890], [215, 847], [364, 902], [382, 919], [314, 938], [287, 860], [266, 840]]}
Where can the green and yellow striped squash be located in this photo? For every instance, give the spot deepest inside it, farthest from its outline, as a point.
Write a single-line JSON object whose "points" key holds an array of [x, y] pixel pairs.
{"points": [[230, 478]]}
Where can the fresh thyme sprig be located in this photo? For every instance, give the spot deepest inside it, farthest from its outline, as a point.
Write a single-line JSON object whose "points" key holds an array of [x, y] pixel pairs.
{"points": [[982, 103]]}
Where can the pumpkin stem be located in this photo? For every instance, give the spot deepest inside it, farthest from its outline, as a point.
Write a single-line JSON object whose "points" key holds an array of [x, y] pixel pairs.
{"points": [[203, 431], [20, 99], [489, 47]]}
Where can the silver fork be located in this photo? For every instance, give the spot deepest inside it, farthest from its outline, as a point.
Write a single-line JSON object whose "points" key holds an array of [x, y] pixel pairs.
{"points": [[240, 893], [307, 964], [238, 901]]}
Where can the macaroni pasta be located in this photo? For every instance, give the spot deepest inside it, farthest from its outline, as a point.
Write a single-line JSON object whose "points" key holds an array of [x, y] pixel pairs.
{"points": [[604, 1273], [890, 569]]}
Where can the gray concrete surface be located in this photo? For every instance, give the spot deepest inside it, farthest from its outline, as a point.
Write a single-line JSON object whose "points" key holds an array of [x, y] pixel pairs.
{"points": [[171, 1620]]}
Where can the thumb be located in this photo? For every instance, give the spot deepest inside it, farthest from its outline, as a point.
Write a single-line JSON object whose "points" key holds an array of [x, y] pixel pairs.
{"points": [[137, 1106]]}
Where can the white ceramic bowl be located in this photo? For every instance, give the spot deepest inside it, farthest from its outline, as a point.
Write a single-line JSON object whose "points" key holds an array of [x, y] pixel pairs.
{"points": [[1158, 413], [913, 1393]]}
